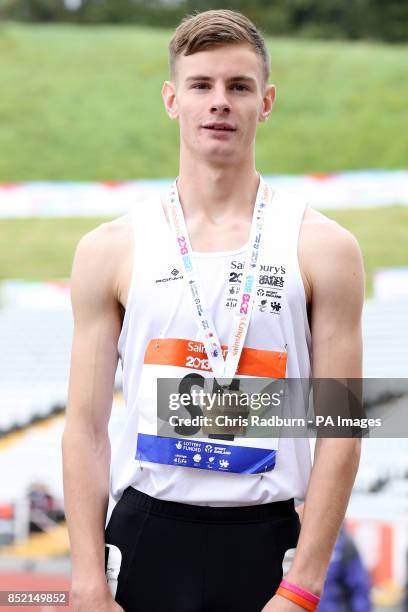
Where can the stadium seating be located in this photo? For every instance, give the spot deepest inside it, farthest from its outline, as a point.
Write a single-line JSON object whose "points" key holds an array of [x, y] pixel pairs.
{"points": [[34, 368]]}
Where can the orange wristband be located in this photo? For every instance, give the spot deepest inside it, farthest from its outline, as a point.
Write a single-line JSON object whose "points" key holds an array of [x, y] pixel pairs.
{"points": [[300, 601]]}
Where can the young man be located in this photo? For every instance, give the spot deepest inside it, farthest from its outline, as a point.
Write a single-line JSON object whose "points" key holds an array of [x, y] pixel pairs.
{"points": [[191, 531]]}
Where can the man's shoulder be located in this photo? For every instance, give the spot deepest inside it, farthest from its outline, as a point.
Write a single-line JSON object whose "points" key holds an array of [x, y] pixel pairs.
{"points": [[326, 250], [109, 231], [102, 254], [321, 235], [108, 238]]}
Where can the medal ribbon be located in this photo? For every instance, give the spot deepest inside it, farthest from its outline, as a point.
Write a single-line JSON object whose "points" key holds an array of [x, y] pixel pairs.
{"points": [[242, 312]]}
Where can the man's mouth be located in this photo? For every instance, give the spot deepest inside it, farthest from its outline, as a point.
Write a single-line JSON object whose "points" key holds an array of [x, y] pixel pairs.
{"points": [[221, 127]]}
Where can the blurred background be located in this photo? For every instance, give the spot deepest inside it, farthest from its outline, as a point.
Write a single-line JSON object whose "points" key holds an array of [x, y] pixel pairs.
{"points": [[84, 137]]}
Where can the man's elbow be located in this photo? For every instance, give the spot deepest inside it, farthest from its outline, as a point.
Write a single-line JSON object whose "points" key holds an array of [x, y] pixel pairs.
{"points": [[83, 434], [348, 448]]}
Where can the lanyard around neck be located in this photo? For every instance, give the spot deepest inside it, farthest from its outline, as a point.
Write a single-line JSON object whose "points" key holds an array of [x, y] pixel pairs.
{"points": [[241, 316]]}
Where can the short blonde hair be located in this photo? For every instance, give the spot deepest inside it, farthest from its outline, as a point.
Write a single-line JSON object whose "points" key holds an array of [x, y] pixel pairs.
{"points": [[215, 28]]}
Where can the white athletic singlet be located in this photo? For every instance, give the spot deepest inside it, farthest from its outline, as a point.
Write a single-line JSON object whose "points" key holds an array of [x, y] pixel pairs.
{"points": [[160, 315]]}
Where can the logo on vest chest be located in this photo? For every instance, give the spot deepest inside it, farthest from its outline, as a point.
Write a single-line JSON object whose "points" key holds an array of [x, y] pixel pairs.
{"points": [[269, 286], [173, 275]]}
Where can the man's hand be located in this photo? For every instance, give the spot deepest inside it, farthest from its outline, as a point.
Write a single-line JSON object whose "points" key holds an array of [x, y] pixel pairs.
{"points": [[281, 604], [90, 600]]}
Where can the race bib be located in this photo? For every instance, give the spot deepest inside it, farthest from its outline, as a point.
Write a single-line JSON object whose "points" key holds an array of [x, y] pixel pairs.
{"points": [[221, 432]]}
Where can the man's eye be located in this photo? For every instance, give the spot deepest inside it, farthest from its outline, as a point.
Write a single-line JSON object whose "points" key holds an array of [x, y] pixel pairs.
{"points": [[240, 87], [200, 86]]}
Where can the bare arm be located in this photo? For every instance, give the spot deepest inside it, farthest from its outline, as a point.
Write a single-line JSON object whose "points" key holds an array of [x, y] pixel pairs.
{"points": [[336, 277], [337, 300], [85, 444]]}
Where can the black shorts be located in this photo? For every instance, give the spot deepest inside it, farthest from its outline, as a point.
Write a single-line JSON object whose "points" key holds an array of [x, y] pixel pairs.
{"points": [[164, 556]]}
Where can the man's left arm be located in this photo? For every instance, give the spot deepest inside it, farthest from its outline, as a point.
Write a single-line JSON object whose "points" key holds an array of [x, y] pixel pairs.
{"points": [[337, 283]]}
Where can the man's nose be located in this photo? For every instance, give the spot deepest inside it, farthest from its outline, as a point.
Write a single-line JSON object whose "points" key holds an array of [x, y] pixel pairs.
{"points": [[220, 102]]}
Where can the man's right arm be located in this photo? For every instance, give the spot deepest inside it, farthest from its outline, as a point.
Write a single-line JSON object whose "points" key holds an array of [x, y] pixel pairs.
{"points": [[85, 444]]}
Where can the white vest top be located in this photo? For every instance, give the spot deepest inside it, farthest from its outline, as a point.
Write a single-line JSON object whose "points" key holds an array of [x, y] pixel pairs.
{"points": [[160, 313]]}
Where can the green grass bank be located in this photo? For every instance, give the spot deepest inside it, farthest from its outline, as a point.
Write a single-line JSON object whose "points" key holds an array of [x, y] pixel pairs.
{"points": [[83, 103]]}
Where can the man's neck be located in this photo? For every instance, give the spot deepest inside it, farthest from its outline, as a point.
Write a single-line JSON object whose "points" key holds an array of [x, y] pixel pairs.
{"points": [[217, 193]]}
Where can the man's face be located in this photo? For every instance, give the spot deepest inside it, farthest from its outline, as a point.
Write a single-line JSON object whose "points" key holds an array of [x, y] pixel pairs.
{"points": [[219, 96]]}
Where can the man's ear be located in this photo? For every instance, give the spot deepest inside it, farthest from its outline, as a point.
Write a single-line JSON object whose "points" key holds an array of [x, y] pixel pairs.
{"points": [[169, 98], [267, 102]]}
